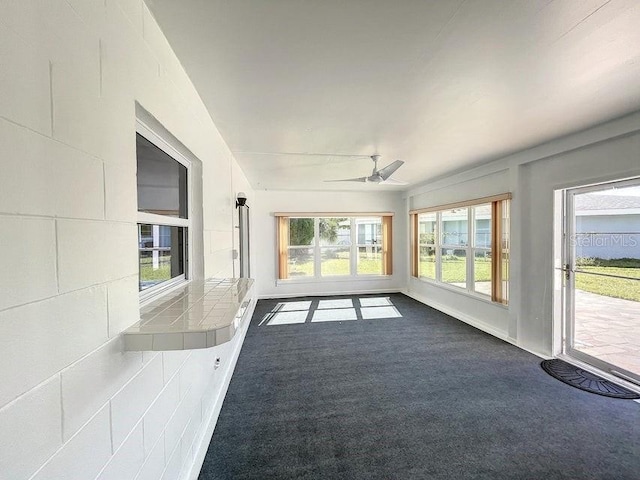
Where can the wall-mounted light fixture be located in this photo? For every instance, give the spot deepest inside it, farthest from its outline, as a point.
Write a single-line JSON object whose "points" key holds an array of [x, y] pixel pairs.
{"points": [[243, 224], [241, 199]]}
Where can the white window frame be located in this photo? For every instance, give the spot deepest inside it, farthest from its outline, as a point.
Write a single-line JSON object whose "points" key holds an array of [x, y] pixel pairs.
{"points": [[155, 219]]}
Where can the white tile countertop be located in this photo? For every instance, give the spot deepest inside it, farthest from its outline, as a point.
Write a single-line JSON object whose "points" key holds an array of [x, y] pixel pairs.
{"points": [[201, 314]]}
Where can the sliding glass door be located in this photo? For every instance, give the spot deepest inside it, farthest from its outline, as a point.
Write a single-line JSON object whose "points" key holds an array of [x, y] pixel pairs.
{"points": [[602, 276]]}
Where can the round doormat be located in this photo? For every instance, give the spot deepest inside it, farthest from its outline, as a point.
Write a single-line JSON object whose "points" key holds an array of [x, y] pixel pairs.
{"points": [[587, 381]]}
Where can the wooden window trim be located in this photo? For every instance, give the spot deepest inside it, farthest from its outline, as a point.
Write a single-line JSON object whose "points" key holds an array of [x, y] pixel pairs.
{"points": [[282, 240], [387, 245], [283, 250], [496, 255], [415, 245], [466, 203]]}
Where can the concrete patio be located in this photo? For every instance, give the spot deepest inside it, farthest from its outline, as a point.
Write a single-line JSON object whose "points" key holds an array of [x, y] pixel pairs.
{"points": [[608, 328]]}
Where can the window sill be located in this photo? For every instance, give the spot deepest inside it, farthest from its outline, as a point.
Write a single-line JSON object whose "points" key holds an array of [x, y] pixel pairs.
{"points": [[462, 291], [156, 293], [200, 314], [350, 278]]}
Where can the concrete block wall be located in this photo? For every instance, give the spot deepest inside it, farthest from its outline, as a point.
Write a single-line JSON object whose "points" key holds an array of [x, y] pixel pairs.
{"points": [[73, 403]]}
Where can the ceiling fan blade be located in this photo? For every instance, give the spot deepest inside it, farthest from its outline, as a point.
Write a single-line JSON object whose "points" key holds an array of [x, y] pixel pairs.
{"points": [[387, 171], [359, 179], [393, 181]]}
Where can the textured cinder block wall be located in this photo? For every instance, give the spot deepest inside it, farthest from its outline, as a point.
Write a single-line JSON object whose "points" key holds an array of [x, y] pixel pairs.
{"points": [[73, 404]]}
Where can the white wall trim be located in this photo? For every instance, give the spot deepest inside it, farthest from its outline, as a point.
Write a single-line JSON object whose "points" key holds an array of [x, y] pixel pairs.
{"points": [[201, 444], [313, 293]]}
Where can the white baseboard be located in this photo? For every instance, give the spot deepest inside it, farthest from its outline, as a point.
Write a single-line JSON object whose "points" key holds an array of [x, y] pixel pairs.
{"points": [[463, 317], [314, 293], [474, 322], [202, 445]]}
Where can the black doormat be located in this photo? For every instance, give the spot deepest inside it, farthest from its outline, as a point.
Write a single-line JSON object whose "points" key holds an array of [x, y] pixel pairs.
{"points": [[587, 381]]}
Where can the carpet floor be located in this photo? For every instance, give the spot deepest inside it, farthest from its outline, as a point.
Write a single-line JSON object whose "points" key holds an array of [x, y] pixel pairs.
{"points": [[418, 396]]}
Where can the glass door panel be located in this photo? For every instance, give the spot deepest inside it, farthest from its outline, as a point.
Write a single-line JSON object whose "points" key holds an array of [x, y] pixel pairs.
{"points": [[602, 246]]}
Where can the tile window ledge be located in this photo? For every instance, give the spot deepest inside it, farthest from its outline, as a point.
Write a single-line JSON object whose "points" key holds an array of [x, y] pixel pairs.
{"points": [[201, 314]]}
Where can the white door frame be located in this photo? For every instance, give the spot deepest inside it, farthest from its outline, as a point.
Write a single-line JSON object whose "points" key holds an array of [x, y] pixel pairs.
{"points": [[569, 270]]}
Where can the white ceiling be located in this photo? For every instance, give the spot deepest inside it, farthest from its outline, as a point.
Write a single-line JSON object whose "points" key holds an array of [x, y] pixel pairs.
{"points": [[440, 84]]}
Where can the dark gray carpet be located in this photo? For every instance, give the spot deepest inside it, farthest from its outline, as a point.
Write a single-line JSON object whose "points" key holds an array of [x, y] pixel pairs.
{"points": [[419, 397]]}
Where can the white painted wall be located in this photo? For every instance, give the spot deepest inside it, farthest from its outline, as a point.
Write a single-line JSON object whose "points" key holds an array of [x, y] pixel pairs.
{"points": [[73, 404], [606, 152], [265, 242]]}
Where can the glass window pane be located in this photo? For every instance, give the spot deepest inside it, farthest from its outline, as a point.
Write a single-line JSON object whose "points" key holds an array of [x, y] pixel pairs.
{"points": [[454, 267], [369, 231], [300, 231], [607, 229], [335, 261], [427, 265], [370, 260], [482, 271], [161, 253], [455, 227], [427, 228], [482, 220], [162, 181], [301, 262], [335, 231]]}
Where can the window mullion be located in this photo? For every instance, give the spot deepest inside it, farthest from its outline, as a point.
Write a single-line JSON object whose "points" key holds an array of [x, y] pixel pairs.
{"points": [[317, 263], [155, 219], [438, 241], [353, 264], [471, 232]]}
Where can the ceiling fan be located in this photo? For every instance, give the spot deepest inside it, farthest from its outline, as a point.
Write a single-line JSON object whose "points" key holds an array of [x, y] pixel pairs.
{"points": [[382, 176]]}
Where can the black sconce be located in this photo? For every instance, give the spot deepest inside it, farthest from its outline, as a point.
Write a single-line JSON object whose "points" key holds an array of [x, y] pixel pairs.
{"points": [[241, 199]]}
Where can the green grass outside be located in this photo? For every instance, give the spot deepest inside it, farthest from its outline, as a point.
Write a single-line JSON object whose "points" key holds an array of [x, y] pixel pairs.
{"points": [[337, 266], [148, 273], [609, 286], [454, 270]]}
